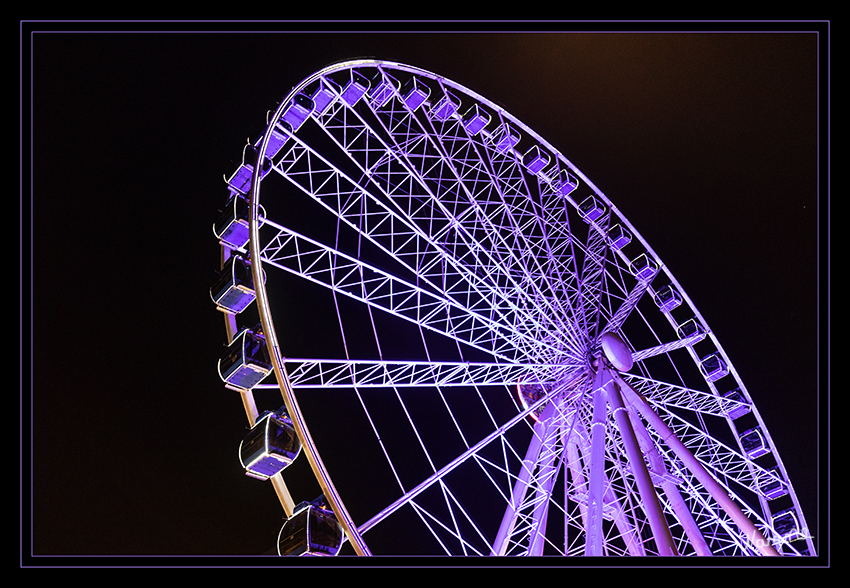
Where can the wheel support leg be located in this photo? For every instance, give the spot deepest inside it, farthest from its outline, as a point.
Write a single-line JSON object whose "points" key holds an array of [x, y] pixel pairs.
{"points": [[593, 541], [717, 492], [578, 479], [546, 474], [683, 514], [532, 454], [621, 521], [670, 489], [646, 489]]}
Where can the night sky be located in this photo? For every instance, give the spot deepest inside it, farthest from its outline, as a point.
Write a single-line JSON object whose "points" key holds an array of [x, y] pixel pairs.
{"points": [[712, 144]]}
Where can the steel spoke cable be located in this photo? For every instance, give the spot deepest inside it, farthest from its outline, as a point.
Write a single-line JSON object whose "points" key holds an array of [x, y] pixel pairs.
{"points": [[457, 461]]}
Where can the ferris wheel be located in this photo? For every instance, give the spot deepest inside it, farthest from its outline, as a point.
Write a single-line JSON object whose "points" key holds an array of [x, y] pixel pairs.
{"points": [[475, 351]]}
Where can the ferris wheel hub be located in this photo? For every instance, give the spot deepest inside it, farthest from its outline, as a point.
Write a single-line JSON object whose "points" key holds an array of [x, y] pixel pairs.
{"points": [[616, 351]]}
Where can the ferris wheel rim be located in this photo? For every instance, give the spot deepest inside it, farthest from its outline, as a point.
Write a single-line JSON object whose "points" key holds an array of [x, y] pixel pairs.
{"points": [[291, 403], [262, 298]]}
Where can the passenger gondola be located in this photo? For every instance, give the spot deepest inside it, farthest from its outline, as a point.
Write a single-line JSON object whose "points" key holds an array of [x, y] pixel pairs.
{"points": [[270, 446], [233, 291], [311, 530], [246, 362]]}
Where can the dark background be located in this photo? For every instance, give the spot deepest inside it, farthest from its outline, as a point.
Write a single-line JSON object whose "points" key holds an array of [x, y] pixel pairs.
{"points": [[712, 144]]}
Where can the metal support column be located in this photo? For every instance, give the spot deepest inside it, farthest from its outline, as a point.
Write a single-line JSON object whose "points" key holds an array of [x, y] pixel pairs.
{"points": [[529, 463], [658, 468], [646, 489], [546, 474], [702, 475], [595, 494]]}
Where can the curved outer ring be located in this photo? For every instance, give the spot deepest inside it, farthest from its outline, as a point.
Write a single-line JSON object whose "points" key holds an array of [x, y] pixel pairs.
{"points": [[290, 401], [303, 432]]}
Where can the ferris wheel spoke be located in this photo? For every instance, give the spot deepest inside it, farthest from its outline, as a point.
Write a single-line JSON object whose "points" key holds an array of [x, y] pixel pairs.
{"points": [[663, 394], [452, 165], [467, 274], [355, 373], [564, 253], [398, 236], [506, 209], [428, 195], [294, 253], [590, 285], [668, 347], [615, 322], [462, 221], [466, 546]]}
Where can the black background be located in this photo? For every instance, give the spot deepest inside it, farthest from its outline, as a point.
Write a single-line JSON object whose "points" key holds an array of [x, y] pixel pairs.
{"points": [[710, 138]]}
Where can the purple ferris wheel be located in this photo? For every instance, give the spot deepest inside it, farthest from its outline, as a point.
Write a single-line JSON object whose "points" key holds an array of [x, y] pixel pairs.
{"points": [[477, 353]]}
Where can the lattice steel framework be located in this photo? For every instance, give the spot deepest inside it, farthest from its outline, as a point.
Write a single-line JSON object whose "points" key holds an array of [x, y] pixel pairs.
{"points": [[472, 271]]}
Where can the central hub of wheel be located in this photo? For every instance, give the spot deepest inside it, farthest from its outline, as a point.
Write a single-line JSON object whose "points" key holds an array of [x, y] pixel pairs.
{"points": [[616, 351]]}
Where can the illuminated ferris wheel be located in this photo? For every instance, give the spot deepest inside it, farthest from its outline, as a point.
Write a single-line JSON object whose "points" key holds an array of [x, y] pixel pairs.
{"points": [[504, 366]]}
